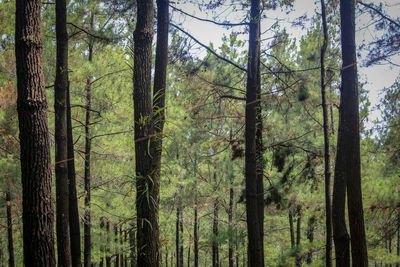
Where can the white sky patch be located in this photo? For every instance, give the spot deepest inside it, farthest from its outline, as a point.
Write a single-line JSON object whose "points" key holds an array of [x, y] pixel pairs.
{"points": [[375, 77]]}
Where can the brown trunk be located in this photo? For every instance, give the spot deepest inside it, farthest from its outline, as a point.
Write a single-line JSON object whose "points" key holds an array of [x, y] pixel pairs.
{"points": [[215, 245], [251, 170], [88, 147], [37, 209], [230, 222], [132, 243], [116, 245], [11, 260], [298, 238], [291, 229], [349, 135], [60, 136], [74, 227], [327, 158], [147, 189]]}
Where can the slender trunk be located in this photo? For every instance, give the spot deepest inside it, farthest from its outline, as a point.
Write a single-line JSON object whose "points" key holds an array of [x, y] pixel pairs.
{"points": [[126, 243], [88, 146], [215, 245], [328, 210], [398, 237], [310, 236], [132, 243], [298, 238], [166, 258], [102, 248], [74, 227], [181, 240], [177, 238], [253, 84], [121, 249], [291, 229], [60, 136], [11, 260], [230, 223], [196, 237], [116, 245], [37, 199], [350, 135], [188, 258], [108, 249]]}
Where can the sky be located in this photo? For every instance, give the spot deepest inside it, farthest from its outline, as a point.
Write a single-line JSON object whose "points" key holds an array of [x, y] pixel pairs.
{"points": [[375, 77]]}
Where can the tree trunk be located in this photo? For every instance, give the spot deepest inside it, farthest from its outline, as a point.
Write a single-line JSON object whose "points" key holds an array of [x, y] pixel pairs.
{"points": [[195, 236], [108, 249], [349, 135], [37, 209], [181, 235], [121, 249], [11, 260], [291, 229], [60, 136], [132, 243], [398, 237], [126, 254], [188, 258], [230, 222], [298, 238], [75, 232], [88, 147], [116, 245], [253, 84], [102, 248], [146, 207], [327, 158], [310, 236], [177, 238], [215, 245]]}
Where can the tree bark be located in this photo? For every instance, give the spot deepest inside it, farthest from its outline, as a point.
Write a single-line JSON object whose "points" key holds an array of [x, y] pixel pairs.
{"points": [[116, 245], [147, 196], [75, 232], [88, 147], [230, 223], [195, 236], [60, 136], [310, 236], [215, 245], [103, 241], [291, 230], [121, 249], [11, 259], [298, 238], [327, 158], [181, 235], [108, 249], [37, 207], [177, 239], [253, 84], [132, 243], [349, 135]]}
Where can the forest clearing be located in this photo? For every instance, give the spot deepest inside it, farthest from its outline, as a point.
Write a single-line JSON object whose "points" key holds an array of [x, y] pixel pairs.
{"points": [[148, 133]]}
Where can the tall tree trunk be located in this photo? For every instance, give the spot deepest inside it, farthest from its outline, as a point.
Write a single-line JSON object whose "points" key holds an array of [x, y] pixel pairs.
{"points": [[88, 148], [126, 243], [116, 245], [327, 158], [195, 235], [103, 241], [298, 238], [349, 135], [177, 240], [230, 223], [291, 229], [253, 84], [181, 235], [37, 202], [108, 248], [11, 260], [166, 257], [146, 207], [60, 136], [310, 236], [122, 248], [188, 257], [398, 237], [215, 251], [74, 227], [132, 244]]}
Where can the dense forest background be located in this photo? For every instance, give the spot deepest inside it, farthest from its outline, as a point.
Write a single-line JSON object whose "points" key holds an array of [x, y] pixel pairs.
{"points": [[202, 201]]}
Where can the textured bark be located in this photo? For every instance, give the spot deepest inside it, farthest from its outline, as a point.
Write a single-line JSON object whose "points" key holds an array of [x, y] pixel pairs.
{"points": [[327, 158], [87, 237], [215, 245], [60, 136], [230, 223], [11, 259], [37, 208], [253, 84], [74, 227], [350, 134], [147, 189]]}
